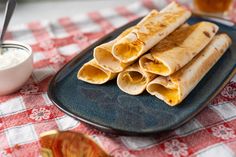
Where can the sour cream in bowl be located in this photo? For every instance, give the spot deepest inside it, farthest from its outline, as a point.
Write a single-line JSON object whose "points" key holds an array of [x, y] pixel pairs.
{"points": [[16, 66]]}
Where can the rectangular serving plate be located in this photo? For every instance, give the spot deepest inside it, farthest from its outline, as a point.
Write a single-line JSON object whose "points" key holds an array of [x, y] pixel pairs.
{"points": [[107, 108]]}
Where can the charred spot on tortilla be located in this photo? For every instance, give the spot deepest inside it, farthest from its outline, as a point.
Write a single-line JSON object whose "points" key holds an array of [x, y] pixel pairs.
{"points": [[214, 30], [162, 25], [207, 34]]}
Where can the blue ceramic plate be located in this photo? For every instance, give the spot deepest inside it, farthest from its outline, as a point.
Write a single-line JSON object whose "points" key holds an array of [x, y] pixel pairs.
{"points": [[107, 108]]}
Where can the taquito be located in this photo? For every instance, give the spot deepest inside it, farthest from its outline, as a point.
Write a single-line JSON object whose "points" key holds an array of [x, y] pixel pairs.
{"points": [[174, 88], [102, 54], [133, 80], [176, 50], [93, 73], [149, 31]]}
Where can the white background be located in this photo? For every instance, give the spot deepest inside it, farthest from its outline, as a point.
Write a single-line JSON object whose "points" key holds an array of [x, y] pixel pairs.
{"points": [[32, 10]]}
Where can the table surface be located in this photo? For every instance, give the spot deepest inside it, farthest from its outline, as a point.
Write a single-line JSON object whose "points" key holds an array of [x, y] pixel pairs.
{"points": [[24, 115], [42, 10]]}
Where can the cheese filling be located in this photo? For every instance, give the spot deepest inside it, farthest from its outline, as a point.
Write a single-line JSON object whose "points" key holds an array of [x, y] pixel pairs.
{"points": [[92, 73], [155, 67], [107, 60], [125, 51], [134, 77], [169, 94]]}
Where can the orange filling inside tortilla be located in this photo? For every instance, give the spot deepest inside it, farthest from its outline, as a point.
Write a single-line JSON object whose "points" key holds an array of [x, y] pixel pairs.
{"points": [[107, 60], [170, 95], [93, 73], [134, 77], [155, 67], [126, 50]]}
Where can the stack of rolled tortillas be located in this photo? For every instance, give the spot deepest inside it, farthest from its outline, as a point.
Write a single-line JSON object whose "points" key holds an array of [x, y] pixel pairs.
{"points": [[162, 54]]}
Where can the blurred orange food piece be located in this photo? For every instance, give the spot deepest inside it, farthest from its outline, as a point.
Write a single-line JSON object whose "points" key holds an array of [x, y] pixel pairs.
{"points": [[213, 6], [69, 144]]}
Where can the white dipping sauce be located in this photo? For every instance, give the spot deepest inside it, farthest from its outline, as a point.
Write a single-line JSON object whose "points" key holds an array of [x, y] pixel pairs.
{"points": [[12, 57]]}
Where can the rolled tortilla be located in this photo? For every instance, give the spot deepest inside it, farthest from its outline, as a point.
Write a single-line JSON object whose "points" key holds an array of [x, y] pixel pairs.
{"points": [[153, 28], [92, 73], [176, 50], [102, 54], [133, 80], [174, 88]]}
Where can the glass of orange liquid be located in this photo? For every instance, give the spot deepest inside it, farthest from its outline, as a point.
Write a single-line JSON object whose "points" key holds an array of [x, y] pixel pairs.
{"points": [[219, 7]]}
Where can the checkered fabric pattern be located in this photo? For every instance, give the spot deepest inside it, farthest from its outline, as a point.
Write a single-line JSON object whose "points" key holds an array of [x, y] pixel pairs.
{"points": [[29, 112]]}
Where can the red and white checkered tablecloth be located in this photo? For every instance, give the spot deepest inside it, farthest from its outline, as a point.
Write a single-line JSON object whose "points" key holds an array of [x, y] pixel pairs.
{"points": [[29, 112]]}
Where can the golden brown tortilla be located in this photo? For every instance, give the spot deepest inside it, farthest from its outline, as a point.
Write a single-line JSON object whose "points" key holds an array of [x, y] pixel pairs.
{"points": [[176, 50], [102, 54], [174, 88], [148, 32], [92, 73], [133, 80]]}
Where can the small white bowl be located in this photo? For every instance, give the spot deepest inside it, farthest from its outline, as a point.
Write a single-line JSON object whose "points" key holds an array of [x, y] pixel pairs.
{"points": [[13, 77]]}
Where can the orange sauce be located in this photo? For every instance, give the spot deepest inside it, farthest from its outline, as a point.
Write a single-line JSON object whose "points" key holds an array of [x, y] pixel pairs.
{"points": [[213, 6]]}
